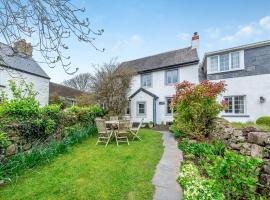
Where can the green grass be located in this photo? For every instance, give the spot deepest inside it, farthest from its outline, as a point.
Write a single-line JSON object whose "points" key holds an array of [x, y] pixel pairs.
{"points": [[89, 171], [240, 125]]}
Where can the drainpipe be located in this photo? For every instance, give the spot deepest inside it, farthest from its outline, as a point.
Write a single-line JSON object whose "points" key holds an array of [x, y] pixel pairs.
{"points": [[154, 112]]}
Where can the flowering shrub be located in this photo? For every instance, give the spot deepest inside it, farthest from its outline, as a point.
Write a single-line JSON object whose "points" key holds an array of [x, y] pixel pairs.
{"points": [[197, 187], [196, 107]]}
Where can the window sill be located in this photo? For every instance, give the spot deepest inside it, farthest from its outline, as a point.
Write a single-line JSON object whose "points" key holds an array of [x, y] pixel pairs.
{"points": [[234, 115], [220, 72]]}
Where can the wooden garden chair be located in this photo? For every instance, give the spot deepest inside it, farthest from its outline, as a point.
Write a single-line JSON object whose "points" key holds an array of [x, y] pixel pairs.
{"points": [[122, 132], [113, 118], [104, 135], [135, 131]]}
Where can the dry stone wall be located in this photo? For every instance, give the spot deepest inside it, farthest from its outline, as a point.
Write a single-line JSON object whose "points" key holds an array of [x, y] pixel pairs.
{"points": [[248, 141]]}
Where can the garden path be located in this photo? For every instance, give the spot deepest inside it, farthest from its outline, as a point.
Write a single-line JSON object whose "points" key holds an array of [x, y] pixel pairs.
{"points": [[166, 186]]}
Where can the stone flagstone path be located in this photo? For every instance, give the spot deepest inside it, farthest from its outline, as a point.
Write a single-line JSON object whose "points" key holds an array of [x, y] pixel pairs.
{"points": [[164, 180]]}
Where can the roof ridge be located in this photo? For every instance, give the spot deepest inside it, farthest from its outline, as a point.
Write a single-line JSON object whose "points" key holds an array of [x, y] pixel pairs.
{"points": [[158, 54]]}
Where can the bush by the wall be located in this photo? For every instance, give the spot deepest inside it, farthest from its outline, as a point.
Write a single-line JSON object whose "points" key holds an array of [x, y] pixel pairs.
{"points": [[196, 107], [265, 120], [196, 187]]}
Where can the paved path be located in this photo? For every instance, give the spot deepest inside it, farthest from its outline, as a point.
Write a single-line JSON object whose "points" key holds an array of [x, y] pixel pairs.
{"points": [[166, 187]]}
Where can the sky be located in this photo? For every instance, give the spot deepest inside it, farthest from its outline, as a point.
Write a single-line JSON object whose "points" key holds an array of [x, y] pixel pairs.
{"points": [[139, 28]]}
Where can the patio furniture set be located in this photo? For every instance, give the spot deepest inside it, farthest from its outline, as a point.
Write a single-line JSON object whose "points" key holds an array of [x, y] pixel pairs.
{"points": [[120, 130]]}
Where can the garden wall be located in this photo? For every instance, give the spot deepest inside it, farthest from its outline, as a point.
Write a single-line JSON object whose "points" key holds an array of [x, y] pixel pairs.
{"points": [[248, 141]]}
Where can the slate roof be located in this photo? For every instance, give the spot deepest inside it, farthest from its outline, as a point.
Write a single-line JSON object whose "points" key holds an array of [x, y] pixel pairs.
{"points": [[178, 57], [64, 91], [20, 62]]}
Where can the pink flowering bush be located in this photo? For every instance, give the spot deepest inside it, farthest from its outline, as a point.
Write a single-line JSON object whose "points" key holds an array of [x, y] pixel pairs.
{"points": [[196, 107]]}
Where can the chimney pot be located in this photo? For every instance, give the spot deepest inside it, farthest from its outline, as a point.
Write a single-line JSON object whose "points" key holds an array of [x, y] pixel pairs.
{"points": [[195, 41]]}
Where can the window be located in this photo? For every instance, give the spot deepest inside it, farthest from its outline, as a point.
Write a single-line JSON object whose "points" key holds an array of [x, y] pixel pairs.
{"points": [[235, 60], [2, 78], [214, 63], [171, 76], [146, 80], [236, 104], [141, 108], [168, 105], [224, 62]]}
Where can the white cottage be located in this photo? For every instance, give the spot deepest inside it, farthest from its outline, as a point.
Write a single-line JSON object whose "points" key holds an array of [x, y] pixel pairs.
{"points": [[154, 83], [17, 64], [246, 72]]}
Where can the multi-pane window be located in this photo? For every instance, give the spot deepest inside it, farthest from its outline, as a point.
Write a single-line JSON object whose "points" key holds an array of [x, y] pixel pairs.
{"points": [[236, 104], [141, 108], [235, 60], [224, 62], [214, 63], [171, 76], [2, 78], [168, 105], [146, 80]]}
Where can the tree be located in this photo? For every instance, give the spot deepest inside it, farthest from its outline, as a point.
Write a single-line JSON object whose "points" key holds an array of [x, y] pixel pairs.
{"points": [[80, 82], [51, 22], [110, 85], [85, 100]]}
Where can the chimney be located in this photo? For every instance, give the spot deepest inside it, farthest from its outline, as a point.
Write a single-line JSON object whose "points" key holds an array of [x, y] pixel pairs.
{"points": [[195, 41], [23, 47]]}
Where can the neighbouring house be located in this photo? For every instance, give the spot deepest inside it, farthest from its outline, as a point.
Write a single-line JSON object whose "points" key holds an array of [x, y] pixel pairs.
{"points": [[17, 64], [246, 72], [153, 85], [66, 94]]}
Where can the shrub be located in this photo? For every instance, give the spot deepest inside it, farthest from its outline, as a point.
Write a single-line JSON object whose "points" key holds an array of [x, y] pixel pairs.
{"points": [[202, 149], [3, 139], [265, 120], [197, 187], [237, 174], [23, 104], [196, 107]]}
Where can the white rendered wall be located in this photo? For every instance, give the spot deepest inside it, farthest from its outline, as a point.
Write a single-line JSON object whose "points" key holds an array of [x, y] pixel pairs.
{"points": [[41, 85], [253, 87], [160, 89]]}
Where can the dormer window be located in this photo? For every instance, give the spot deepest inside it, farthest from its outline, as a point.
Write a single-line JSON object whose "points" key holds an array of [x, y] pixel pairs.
{"points": [[146, 80], [225, 62]]}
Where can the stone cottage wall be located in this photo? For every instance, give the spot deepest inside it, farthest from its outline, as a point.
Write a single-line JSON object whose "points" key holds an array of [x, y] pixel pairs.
{"points": [[250, 142]]}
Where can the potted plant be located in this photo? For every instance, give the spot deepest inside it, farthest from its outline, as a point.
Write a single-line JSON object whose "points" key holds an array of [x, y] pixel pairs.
{"points": [[151, 124]]}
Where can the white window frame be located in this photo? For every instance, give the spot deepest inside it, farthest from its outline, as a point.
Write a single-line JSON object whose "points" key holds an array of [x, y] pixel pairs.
{"points": [[137, 108], [166, 76], [151, 83], [128, 108], [233, 105], [241, 62]]}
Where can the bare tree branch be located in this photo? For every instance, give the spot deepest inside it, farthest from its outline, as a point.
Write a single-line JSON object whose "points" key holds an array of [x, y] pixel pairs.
{"points": [[51, 22]]}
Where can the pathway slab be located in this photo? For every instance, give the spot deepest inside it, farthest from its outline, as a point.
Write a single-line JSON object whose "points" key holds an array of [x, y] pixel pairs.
{"points": [[164, 180]]}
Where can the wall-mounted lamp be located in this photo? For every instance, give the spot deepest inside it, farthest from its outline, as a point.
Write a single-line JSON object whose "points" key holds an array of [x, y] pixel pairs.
{"points": [[262, 99]]}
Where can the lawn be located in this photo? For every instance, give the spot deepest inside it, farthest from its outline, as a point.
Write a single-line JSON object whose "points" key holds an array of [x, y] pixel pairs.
{"points": [[240, 125], [91, 171]]}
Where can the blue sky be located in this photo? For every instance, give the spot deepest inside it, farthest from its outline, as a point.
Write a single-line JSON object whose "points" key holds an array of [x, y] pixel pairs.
{"points": [[137, 28]]}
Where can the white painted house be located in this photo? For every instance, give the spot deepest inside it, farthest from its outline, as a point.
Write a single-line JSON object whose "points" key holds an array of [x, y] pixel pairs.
{"points": [[17, 64], [154, 83], [246, 72]]}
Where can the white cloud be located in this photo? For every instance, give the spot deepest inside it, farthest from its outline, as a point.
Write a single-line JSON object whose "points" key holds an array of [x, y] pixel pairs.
{"points": [[244, 32], [213, 33], [134, 41], [265, 22], [183, 36]]}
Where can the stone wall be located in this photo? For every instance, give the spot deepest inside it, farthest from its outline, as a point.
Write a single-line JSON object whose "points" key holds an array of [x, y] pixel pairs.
{"points": [[248, 141]]}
